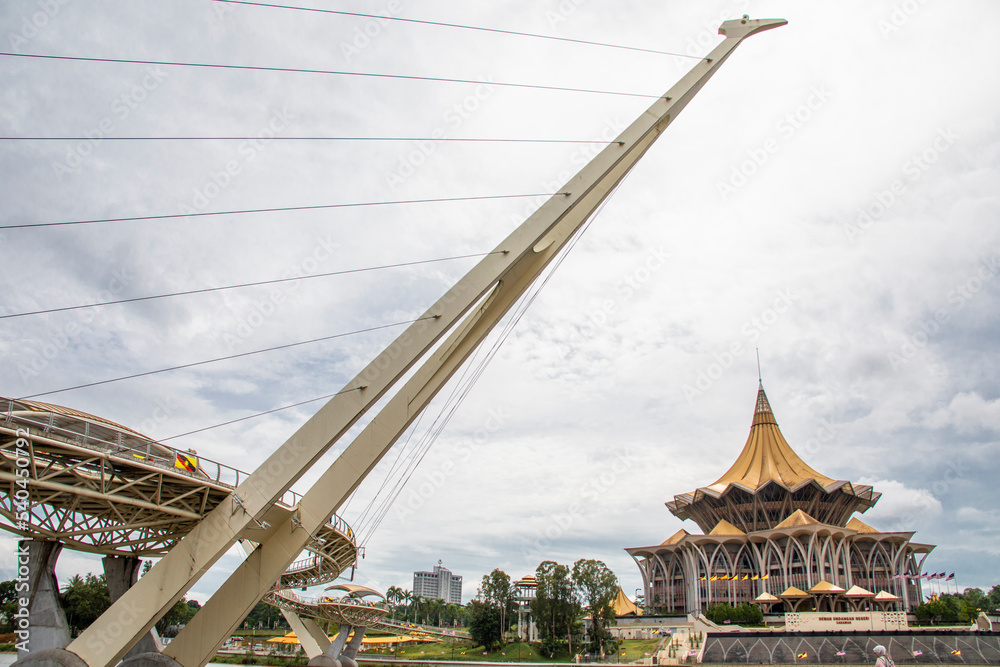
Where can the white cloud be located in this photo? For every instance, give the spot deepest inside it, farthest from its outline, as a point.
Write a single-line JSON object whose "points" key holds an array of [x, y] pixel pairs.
{"points": [[968, 412], [900, 508]]}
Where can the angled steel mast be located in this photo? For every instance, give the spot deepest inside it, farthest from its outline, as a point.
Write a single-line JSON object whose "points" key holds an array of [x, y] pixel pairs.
{"points": [[501, 278]]}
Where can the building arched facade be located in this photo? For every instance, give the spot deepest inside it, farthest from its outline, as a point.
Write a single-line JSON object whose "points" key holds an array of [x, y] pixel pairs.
{"points": [[771, 523]]}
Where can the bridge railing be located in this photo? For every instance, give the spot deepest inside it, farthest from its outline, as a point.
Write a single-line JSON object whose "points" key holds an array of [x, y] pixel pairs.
{"points": [[137, 448]]}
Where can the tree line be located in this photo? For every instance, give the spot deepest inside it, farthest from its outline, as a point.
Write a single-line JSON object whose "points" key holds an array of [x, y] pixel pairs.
{"points": [[563, 597]]}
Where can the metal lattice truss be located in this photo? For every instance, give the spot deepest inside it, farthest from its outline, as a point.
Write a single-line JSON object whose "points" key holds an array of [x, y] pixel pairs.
{"points": [[342, 611], [689, 572], [102, 488]]}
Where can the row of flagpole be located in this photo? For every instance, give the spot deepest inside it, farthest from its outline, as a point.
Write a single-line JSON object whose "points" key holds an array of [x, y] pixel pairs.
{"points": [[940, 577]]}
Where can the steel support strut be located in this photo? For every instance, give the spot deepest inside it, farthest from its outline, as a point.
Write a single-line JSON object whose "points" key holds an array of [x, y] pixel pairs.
{"points": [[514, 266]]}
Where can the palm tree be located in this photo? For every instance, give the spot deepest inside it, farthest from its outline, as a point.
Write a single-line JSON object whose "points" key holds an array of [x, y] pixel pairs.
{"points": [[406, 597], [393, 596]]}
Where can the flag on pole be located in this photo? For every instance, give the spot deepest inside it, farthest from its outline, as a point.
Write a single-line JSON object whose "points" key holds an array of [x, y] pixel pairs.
{"points": [[714, 577], [957, 652], [917, 654], [186, 462], [802, 656], [841, 654], [754, 578], [765, 576], [951, 577], [745, 577]]}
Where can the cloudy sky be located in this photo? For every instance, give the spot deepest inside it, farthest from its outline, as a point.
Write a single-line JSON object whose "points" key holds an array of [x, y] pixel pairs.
{"points": [[831, 197]]}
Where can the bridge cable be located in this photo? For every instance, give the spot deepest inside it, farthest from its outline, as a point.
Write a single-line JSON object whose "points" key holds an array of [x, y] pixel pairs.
{"points": [[470, 376], [302, 70], [440, 24], [231, 356], [279, 209], [242, 285]]}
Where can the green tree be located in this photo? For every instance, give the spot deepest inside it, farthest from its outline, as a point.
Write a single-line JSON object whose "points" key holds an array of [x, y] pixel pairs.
{"points": [[555, 608], [490, 612], [8, 605], [597, 587], [84, 599]]}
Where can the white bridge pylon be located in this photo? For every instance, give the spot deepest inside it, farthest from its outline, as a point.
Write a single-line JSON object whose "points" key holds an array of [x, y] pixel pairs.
{"points": [[495, 284]]}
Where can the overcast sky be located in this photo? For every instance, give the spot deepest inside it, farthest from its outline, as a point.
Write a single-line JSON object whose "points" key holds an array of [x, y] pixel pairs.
{"points": [[830, 196]]}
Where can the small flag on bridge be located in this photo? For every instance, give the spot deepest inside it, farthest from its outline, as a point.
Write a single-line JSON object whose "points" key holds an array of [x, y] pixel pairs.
{"points": [[841, 654], [957, 652], [186, 462], [917, 653], [802, 656]]}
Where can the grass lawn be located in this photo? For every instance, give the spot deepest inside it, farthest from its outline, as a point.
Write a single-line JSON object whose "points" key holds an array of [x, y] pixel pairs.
{"points": [[634, 649]]}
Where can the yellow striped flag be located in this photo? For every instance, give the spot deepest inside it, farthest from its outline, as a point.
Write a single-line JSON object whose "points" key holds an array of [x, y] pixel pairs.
{"points": [[802, 656], [713, 578], [957, 652], [754, 578], [186, 462], [765, 576]]}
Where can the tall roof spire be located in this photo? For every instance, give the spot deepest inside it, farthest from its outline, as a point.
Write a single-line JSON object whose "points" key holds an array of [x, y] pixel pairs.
{"points": [[767, 456]]}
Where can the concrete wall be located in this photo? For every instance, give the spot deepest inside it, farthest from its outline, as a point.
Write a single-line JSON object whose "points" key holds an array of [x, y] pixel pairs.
{"points": [[980, 648]]}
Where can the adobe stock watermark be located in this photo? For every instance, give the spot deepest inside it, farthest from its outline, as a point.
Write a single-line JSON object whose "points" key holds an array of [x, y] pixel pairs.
{"points": [[456, 115], [590, 492], [784, 130], [630, 284], [21, 621], [35, 359], [248, 151], [32, 24], [364, 35], [900, 15], [121, 108], [959, 296], [751, 330], [264, 309], [436, 479], [22, 478], [562, 12], [913, 169]]}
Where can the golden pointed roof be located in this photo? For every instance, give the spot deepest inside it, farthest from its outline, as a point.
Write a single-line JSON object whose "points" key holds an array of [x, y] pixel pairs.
{"points": [[883, 596], [857, 524], [726, 528], [858, 592], [824, 587], [767, 456], [797, 518], [675, 538], [793, 592], [624, 606], [767, 598]]}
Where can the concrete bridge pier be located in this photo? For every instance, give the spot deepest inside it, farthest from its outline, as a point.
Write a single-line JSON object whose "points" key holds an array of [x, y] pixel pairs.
{"points": [[41, 623], [121, 573], [329, 657], [350, 652]]}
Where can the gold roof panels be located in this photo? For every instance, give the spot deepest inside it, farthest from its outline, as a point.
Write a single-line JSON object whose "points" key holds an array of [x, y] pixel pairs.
{"points": [[675, 538], [858, 592], [624, 606], [726, 528], [826, 588], [857, 524], [767, 481], [767, 598], [793, 592], [883, 596], [796, 519]]}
